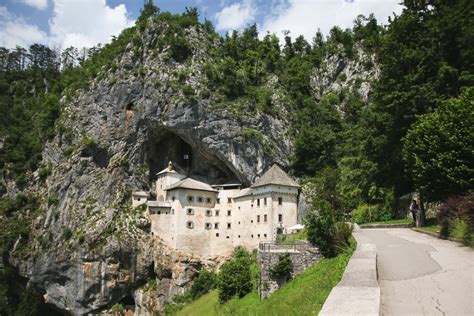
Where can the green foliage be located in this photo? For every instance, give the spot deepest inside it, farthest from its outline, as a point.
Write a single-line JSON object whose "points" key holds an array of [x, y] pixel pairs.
{"points": [[44, 171], [282, 269], [303, 295], [324, 231], [456, 218], [361, 214], [235, 277], [439, 149], [117, 309], [53, 199], [203, 283], [67, 233]]}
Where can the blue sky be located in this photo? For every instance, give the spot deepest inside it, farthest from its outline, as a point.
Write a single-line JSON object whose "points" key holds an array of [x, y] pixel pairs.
{"points": [[63, 23]]}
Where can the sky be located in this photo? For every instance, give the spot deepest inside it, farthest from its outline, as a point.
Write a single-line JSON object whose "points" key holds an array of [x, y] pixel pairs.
{"points": [[85, 23]]}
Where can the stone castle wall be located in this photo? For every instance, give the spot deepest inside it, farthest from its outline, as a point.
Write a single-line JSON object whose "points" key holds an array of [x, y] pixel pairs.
{"points": [[302, 254]]}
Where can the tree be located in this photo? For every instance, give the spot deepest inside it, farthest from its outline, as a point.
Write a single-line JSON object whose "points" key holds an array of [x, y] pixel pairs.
{"points": [[439, 149], [203, 283], [320, 225], [282, 270], [235, 278]]}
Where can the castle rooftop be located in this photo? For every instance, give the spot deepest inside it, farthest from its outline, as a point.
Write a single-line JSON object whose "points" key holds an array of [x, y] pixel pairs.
{"points": [[191, 184], [275, 175]]}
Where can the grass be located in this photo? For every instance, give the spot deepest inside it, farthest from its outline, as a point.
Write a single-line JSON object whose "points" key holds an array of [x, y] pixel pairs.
{"points": [[391, 221], [304, 295], [457, 229]]}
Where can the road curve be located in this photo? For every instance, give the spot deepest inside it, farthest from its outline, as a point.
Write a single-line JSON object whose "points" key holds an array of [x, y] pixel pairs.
{"points": [[422, 275]]}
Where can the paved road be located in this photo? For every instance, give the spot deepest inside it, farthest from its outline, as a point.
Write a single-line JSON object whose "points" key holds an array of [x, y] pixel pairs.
{"points": [[423, 275]]}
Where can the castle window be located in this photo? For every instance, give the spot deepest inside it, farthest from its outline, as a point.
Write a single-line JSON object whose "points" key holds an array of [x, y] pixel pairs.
{"points": [[280, 201], [208, 213], [189, 211], [200, 199], [216, 225], [189, 224], [229, 212], [251, 205], [251, 221], [258, 235], [159, 212], [265, 235], [227, 237], [258, 202], [208, 200], [265, 201], [190, 198], [173, 198], [207, 226], [280, 217], [265, 218], [138, 199], [217, 234], [251, 236], [229, 200], [239, 236], [217, 212], [258, 218], [229, 225], [239, 222], [218, 201]]}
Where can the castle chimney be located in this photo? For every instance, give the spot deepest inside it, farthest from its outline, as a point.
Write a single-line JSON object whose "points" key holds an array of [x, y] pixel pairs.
{"points": [[170, 166]]}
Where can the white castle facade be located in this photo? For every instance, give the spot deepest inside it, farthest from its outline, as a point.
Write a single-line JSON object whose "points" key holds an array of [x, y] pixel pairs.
{"points": [[205, 220]]}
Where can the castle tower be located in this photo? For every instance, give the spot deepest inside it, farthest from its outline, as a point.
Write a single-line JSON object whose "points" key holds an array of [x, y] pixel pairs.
{"points": [[166, 178]]}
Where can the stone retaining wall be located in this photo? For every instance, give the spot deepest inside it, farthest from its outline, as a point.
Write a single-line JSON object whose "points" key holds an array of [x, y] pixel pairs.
{"points": [[303, 256]]}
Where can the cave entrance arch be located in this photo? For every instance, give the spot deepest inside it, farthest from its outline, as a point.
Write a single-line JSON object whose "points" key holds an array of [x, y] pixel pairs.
{"points": [[163, 146]]}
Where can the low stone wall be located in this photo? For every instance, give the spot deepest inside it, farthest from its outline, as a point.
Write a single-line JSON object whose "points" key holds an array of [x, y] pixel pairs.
{"points": [[358, 293], [302, 255]]}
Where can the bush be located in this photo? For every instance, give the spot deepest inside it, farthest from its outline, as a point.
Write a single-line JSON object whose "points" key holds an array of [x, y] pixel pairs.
{"points": [[329, 236], [117, 309], [44, 172], [343, 233], [235, 278], [320, 224], [67, 233], [282, 269], [203, 283], [456, 214], [361, 214]]}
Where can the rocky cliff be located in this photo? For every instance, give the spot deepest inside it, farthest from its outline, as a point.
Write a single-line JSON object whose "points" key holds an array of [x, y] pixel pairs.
{"points": [[89, 249]]}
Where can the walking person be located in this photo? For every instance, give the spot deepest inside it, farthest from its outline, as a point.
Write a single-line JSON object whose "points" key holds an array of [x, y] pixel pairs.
{"points": [[414, 209]]}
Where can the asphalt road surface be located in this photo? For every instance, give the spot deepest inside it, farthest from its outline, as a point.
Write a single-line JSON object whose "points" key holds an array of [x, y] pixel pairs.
{"points": [[422, 275]]}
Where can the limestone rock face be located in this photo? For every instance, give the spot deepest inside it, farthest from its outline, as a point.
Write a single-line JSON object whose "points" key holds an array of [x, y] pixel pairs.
{"points": [[339, 72]]}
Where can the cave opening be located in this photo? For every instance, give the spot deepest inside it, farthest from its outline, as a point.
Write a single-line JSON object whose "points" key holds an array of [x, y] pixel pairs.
{"points": [[163, 146]]}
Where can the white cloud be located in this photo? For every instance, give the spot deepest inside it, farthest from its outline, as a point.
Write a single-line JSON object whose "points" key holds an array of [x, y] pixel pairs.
{"points": [[86, 23], [235, 16], [38, 4], [303, 17], [16, 31]]}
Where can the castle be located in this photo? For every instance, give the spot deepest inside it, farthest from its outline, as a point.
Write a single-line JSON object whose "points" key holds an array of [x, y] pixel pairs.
{"points": [[211, 220]]}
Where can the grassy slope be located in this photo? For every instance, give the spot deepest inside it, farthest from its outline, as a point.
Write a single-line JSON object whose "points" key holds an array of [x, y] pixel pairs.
{"points": [[305, 295]]}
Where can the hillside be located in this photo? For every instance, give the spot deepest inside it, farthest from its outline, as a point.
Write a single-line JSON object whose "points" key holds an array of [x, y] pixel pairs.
{"points": [[77, 138]]}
